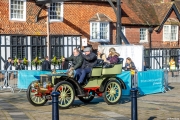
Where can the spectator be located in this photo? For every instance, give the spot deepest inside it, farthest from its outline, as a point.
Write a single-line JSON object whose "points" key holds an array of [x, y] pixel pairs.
{"points": [[172, 66], [19, 65], [113, 56], [7, 67], [129, 66], [145, 67], [46, 64]]}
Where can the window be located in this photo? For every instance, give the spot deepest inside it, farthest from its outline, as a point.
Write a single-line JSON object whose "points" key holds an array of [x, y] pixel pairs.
{"points": [[99, 31], [19, 46], [56, 12], [38, 47], [17, 9], [170, 33], [64, 45], [143, 35]]}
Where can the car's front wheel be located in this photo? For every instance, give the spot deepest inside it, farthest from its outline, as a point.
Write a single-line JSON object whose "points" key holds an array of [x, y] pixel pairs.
{"points": [[33, 95], [67, 94]]}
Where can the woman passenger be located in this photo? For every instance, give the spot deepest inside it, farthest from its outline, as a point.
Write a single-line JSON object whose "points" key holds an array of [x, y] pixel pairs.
{"points": [[113, 56]]}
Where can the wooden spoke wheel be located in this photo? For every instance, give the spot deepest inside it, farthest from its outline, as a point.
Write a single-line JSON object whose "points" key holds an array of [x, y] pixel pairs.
{"points": [[112, 93], [32, 95], [67, 94]]}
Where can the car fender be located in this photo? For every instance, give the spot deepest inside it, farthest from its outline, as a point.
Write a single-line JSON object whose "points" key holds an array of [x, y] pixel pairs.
{"points": [[75, 84]]}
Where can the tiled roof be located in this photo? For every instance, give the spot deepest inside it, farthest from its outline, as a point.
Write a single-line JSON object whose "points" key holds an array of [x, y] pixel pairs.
{"points": [[161, 10], [177, 3], [143, 10], [100, 17]]}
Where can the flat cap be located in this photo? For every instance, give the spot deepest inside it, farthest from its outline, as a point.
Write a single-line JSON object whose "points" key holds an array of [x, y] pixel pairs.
{"points": [[87, 49]]}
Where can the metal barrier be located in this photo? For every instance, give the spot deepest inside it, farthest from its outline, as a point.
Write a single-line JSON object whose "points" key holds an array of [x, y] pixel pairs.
{"points": [[134, 80], [8, 80], [166, 80]]}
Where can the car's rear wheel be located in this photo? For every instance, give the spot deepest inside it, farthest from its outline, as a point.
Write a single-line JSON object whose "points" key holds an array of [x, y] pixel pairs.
{"points": [[67, 94], [113, 92], [33, 96], [88, 98]]}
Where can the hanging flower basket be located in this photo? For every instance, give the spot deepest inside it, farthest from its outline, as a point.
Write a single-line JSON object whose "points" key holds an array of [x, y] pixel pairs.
{"points": [[54, 61], [36, 62], [25, 62], [15, 62]]}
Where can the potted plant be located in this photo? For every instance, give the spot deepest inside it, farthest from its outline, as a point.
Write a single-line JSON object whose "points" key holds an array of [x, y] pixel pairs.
{"points": [[36, 62]]}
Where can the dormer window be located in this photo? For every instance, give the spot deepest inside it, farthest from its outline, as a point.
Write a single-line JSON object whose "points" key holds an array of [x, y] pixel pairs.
{"points": [[100, 28], [170, 33]]}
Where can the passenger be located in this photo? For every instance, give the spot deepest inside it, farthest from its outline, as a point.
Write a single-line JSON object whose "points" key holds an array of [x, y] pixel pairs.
{"points": [[76, 59], [113, 56], [46, 64], [101, 55], [19, 65], [90, 60]]}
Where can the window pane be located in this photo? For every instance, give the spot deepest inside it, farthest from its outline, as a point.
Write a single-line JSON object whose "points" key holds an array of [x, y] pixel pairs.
{"points": [[55, 11], [94, 31], [143, 34], [17, 9], [18, 50], [103, 30], [173, 32], [39, 46]]}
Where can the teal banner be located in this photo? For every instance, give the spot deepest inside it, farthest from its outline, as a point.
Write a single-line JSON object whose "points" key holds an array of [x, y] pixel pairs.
{"points": [[151, 81], [25, 77], [125, 76]]}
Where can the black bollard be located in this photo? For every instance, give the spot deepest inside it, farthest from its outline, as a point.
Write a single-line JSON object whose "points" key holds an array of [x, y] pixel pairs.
{"points": [[134, 115], [55, 106]]}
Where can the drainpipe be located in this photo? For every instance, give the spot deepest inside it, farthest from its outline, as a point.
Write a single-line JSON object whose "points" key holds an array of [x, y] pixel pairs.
{"points": [[48, 32], [118, 29]]}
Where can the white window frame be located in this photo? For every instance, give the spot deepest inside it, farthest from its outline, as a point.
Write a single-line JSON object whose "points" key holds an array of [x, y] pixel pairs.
{"points": [[24, 12], [169, 31], [61, 14], [146, 37], [98, 32]]}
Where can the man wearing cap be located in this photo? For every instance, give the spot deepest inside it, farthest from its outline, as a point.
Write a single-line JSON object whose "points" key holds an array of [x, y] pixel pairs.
{"points": [[7, 67], [90, 60]]}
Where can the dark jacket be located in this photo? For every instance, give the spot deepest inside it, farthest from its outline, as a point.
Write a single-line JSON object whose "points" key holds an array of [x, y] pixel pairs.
{"points": [[76, 61], [89, 60], [46, 65], [6, 65], [131, 66], [20, 67]]}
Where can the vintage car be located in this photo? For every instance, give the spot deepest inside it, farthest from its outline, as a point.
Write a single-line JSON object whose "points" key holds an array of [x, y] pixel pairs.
{"points": [[102, 81]]}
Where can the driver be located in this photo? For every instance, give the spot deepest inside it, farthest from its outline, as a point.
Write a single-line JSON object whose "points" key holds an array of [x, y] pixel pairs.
{"points": [[90, 60], [76, 59]]}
